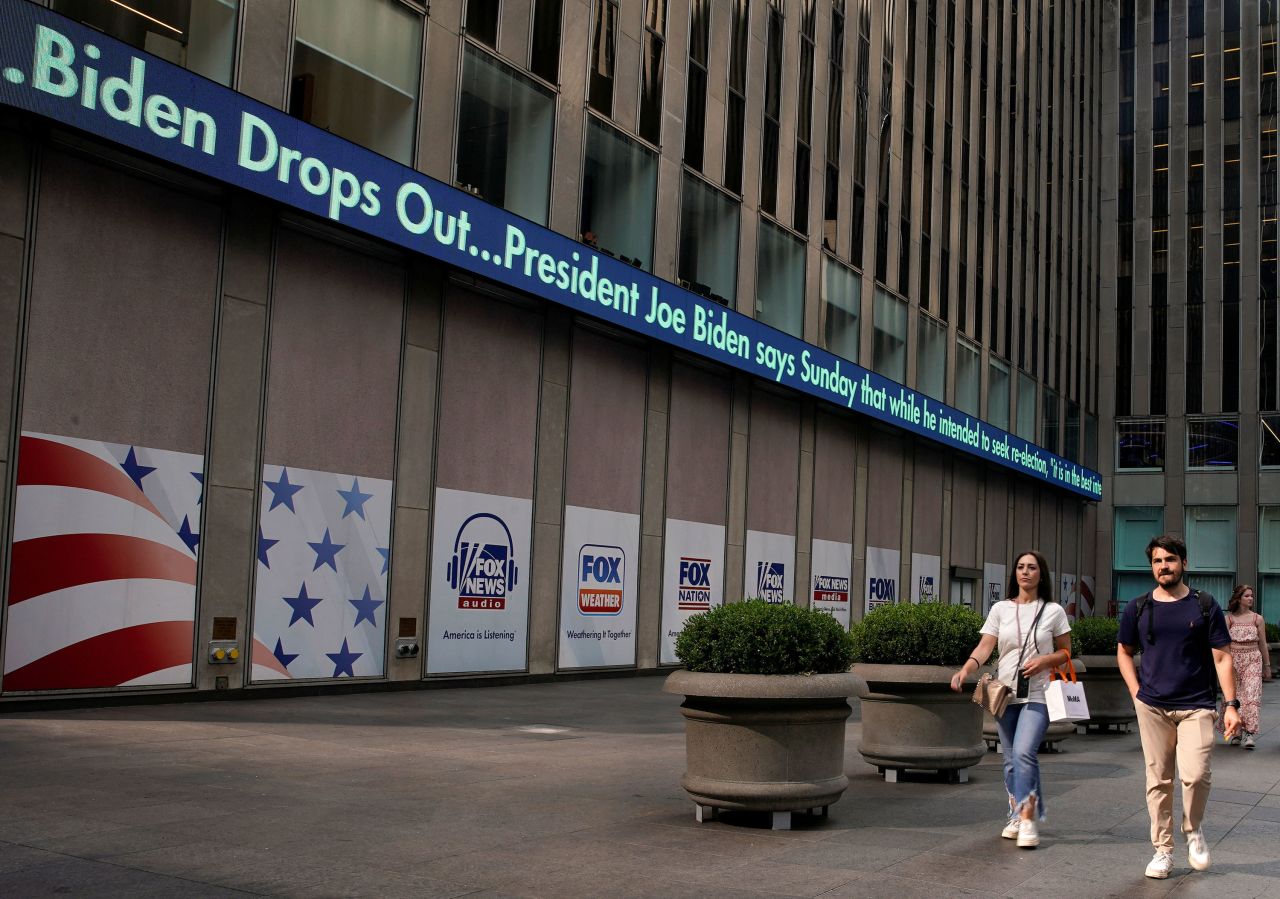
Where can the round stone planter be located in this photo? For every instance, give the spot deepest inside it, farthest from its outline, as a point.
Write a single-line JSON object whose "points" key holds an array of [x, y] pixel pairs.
{"points": [[1110, 704], [1056, 733], [764, 742], [912, 719]]}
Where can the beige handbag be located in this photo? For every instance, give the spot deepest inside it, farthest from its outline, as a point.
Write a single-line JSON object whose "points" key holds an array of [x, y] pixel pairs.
{"points": [[992, 694]]}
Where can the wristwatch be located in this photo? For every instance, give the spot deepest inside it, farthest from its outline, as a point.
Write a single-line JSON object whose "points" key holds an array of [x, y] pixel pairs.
{"points": [[1232, 704]]}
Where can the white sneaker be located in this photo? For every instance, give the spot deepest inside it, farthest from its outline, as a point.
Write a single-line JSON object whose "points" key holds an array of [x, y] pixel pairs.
{"points": [[1197, 851], [1249, 741], [1028, 834], [1234, 741], [1160, 865], [1011, 828]]}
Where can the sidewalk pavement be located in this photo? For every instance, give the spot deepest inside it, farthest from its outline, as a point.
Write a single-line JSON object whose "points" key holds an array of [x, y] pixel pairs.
{"points": [[564, 789]]}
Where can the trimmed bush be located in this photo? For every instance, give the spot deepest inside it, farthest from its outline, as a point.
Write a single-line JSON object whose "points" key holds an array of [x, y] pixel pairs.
{"points": [[930, 633], [1273, 633], [1094, 636], [756, 637]]}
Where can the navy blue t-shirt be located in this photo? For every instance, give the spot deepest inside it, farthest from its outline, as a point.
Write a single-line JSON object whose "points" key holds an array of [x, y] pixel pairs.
{"points": [[1176, 670]]}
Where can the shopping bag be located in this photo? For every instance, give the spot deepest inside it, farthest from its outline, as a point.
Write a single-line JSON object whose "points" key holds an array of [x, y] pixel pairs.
{"points": [[1065, 698]]}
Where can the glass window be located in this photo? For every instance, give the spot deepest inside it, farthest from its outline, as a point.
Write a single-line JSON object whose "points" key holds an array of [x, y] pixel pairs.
{"points": [[1211, 545], [655, 25], [841, 309], [1134, 528], [998, 393], [604, 30], [1212, 443], [736, 108], [931, 357], [1091, 441], [1051, 421], [1071, 433], [889, 336], [968, 378], [199, 35], [772, 110], [709, 241], [1270, 433], [780, 279], [695, 105], [505, 123], [1026, 425], [619, 186], [357, 74], [1268, 598], [482, 21], [544, 55], [1140, 445]]}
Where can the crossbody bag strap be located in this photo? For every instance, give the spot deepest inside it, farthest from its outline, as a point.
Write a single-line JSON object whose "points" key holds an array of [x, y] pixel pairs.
{"points": [[1031, 635]]}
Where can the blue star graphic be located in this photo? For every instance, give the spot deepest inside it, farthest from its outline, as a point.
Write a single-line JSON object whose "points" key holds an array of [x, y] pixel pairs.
{"points": [[385, 552], [365, 608], [264, 544], [326, 551], [354, 499], [135, 471], [188, 536], [282, 491], [302, 606], [199, 476], [342, 660], [284, 658]]}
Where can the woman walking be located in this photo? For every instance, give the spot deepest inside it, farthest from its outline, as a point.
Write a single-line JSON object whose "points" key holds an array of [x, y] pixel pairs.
{"points": [[1034, 637], [1252, 661]]}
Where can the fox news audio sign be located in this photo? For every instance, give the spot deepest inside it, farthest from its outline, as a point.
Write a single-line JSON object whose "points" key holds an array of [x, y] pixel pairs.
{"points": [[59, 69]]}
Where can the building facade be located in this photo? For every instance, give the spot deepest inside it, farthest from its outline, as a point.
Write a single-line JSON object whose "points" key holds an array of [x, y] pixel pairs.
{"points": [[1189, 292], [371, 340]]}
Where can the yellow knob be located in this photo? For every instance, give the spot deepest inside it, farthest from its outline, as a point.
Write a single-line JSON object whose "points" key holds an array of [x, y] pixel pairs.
{"points": [[234, 653], [219, 654]]}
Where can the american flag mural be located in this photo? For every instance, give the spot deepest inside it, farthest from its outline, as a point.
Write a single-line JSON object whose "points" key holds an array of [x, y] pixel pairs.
{"points": [[323, 558], [102, 581]]}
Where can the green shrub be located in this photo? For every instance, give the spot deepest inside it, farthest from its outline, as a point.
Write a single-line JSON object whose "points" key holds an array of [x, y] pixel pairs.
{"points": [[1273, 633], [1094, 636], [907, 634], [756, 637]]}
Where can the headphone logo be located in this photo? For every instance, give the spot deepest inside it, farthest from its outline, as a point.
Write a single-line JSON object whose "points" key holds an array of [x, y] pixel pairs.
{"points": [[483, 572]]}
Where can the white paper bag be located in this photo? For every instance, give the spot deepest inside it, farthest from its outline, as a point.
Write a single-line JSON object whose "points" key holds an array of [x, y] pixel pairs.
{"points": [[1066, 702]]}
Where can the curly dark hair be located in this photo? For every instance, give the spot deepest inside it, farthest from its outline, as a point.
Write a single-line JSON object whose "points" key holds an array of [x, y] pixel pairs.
{"points": [[1237, 596]]}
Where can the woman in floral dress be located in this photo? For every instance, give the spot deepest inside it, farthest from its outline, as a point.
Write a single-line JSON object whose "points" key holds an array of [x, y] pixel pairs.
{"points": [[1251, 658]]}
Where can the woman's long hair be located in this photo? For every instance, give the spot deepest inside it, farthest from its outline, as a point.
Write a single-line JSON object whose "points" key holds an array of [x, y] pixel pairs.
{"points": [[1237, 596], [1045, 588]]}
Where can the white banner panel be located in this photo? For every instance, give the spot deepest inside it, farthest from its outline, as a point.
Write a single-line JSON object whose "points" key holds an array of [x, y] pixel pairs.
{"points": [[1067, 594], [882, 576], [692, 577], [479, 583], [770, 568], [598, 578], [926, 577], [831, 577], [993, 585], [324, 543]]}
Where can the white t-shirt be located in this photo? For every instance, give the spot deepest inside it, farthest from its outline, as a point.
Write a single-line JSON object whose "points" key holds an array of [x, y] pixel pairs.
{"points": [[1006, 619]]}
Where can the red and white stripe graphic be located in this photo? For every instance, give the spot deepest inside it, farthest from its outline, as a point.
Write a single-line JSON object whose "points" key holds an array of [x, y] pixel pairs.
{"points": [[101, 584]]}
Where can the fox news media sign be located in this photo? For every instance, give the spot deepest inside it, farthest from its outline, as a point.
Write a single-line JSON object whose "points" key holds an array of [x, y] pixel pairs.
{"points": [[831, 574], [68, 73], [598, 582], [479, 583], [692, 577]]}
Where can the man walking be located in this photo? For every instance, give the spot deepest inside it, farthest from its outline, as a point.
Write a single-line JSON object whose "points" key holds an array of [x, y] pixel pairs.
{"points": [[1182, 636]]}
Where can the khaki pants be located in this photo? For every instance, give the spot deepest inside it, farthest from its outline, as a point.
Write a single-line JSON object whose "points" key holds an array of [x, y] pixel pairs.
{"points": [[1187, 736]]}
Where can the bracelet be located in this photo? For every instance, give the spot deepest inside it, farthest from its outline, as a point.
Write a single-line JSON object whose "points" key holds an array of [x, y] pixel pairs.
{"points": [[975, 661]]}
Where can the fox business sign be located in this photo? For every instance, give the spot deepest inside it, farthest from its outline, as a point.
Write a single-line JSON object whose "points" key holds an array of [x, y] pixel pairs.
{"points": [[61, 70]]}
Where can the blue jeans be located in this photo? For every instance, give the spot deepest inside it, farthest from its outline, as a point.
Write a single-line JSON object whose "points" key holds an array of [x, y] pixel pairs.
{"points": [[1021, 729]]}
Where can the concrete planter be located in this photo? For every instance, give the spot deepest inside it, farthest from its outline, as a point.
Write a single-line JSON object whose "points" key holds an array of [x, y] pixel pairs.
{"points": [[1274, 650], [764, 742], [912, 719], [1057, 732], [1110, 704]]}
